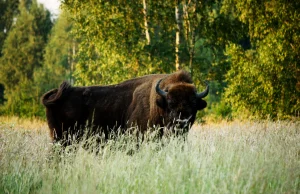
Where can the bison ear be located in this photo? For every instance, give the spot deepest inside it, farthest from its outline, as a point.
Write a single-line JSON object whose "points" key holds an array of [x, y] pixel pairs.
{"points": [[201, 104], [161, 102]]}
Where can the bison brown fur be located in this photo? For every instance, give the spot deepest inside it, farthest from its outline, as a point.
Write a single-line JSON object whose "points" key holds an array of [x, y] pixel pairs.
{"points": [[162, 100]]}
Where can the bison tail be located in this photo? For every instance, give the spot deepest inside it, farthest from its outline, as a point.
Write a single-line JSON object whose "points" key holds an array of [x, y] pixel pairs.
{"points": [[51, 97]]}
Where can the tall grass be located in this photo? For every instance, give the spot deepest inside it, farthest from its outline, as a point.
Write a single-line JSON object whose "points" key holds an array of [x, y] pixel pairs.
{"points": [[250, 157]]}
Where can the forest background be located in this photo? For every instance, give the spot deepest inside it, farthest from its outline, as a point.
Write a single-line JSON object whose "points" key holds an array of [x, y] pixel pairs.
{"points": [[249, 51]]}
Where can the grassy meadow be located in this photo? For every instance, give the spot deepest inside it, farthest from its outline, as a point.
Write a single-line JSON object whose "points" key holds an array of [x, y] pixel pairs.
{"points": [[235, 157]]}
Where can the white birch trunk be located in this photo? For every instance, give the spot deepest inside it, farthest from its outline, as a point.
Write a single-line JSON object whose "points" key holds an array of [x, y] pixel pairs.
{"points": [[145, 11], [178, 30]]}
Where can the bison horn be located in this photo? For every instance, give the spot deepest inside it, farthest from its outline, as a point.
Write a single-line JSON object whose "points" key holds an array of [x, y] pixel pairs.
{"points": [[205, 92], [159, 91]]}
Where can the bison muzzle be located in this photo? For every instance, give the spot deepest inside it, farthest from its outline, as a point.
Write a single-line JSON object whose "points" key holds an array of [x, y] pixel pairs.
{"points": [[166, 101]]}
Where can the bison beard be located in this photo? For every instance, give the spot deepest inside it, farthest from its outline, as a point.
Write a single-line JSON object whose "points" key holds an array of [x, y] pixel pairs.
{"points": [[160, 100]]}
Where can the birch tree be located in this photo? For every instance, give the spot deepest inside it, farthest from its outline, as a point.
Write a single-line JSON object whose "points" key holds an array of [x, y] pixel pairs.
{"points": [[178, 18], [145, 11], [192, 26]]}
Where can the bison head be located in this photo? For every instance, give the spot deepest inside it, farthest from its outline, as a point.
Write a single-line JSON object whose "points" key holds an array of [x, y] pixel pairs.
{"points": [[180, 103]]}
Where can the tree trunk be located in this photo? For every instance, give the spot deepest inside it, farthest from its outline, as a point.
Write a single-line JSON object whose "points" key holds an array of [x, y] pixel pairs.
{"points": [[178, 18], [71, 61], [145, 11], [189, 12], [192, 52]]}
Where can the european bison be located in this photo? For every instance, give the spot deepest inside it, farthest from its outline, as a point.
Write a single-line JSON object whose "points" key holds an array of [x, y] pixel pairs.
{"points": [[160, 100]]}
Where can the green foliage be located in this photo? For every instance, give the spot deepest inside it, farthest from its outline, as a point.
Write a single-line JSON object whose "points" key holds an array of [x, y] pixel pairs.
{"points": [[113, 47], [248, 50], [22, 54], [264, 81], [1, 94], [221, 111], [8, 9], [23, 100], [59, 57], [215, 31]]}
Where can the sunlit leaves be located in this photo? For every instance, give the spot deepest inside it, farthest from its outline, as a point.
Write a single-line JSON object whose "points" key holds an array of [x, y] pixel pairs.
{"points": [[265, 83]]}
